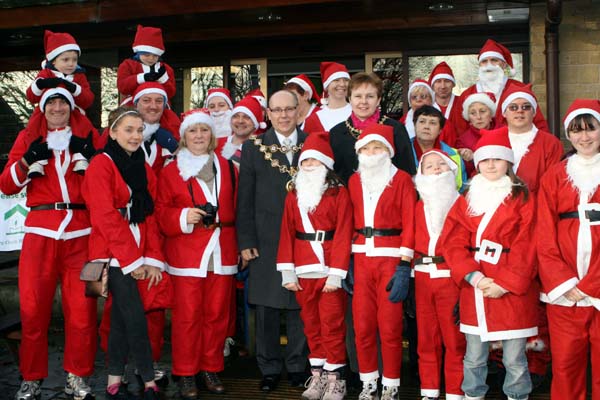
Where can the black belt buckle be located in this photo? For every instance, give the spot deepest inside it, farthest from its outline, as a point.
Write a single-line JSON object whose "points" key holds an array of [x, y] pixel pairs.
{"points": [[368, 231], [61, 206]]}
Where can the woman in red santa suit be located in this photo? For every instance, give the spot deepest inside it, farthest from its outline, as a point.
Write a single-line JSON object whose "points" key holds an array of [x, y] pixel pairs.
{"points": [[487, 243], [118, 190], [568, 237], [436, 294], [306, 93], [313, 257], [384, 199], [196, 212]]}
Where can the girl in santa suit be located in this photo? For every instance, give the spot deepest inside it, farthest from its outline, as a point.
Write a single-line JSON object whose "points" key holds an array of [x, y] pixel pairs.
{"points": [[487, 243], [118, 190], [436, 294], [313, 257], [196, 211], [568, 236], [384, 199]]}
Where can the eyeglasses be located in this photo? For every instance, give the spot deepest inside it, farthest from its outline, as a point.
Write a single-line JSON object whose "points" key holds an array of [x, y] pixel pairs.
{"points": [[279, 110], [515, 107]]}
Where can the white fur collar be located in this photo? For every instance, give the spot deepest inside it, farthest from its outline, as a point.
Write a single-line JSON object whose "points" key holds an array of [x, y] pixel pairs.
{"points": [[149, 130], [584, 173], [229, 148], [520, 143], [485, 195], [59, 139], [190, 165]]}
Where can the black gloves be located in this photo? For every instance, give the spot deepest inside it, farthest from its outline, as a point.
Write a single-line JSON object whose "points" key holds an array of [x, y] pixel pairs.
{"points": [[348, 283], [70, 86], [165, 139], [154, 75], [398, 285], [161, 71], [83, 146], [37, 151], [48, 83]]}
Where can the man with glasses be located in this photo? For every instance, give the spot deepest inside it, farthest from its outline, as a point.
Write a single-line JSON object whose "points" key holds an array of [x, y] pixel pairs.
{"points": [[267, 167]]}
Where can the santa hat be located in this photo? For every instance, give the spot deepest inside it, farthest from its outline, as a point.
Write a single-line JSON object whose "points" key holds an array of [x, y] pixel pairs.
{"points": [[148, 88], [420, 82], [380, 132], [57, 92], [518, 91], [441, 71], [196, 116], [486, 98], [491, 48], [493, 144], [219, 92], [317, 146], [451, 163], [56, 43], [330, 71], [259, 96], [252, 108], [148, 40], [580, 107], [305, 83]]}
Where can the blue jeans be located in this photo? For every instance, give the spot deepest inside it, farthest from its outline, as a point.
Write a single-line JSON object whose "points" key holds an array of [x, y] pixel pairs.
{"points": [[517, 383]]}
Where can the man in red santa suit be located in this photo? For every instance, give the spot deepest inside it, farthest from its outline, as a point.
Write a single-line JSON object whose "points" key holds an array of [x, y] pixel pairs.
{"points": [[494, 61], [568, 240], [55, 247], [219, 104], [442, 83], [313, 257], [335, 107], [436, 294], [384, 199]]}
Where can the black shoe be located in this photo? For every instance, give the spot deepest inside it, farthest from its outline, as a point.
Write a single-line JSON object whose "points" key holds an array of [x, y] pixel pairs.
{"points": [[269, 383], [122, 394], [297, 379]]}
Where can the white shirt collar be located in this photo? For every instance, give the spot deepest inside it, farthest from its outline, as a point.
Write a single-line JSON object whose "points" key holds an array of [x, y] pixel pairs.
{"points": [[293, 137]]}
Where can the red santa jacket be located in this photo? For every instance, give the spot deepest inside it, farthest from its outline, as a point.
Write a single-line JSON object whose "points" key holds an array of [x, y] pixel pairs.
{"points": [[131, 74], [59, 185], [127, 246], [391, 209], [188, 247], [334, 213], [564, 245], [83, 95], [326, 118], [427, 244], [514, 315]]}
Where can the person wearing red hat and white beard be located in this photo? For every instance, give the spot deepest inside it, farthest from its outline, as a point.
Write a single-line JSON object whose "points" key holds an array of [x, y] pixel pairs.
{"points": [[219, 104], [335, 107], [55, 247], [146, 64], [313, 257], [419, 94], [568, 211], [436, 294], [494, 61], [487, 244], [308, 99], [384, 199]]}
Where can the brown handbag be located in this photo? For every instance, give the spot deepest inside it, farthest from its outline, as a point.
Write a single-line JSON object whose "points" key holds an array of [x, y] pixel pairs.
{"points": [[95, 276]]}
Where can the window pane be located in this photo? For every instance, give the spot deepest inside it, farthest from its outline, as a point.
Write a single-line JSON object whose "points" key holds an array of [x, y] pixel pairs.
{"points": [[13, 86], [389, 69], [109, 92], [243, 78], [204, 78]]}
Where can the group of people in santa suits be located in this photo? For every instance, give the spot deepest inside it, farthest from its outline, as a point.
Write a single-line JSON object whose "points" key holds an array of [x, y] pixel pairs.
{"points": [[156, 198]]}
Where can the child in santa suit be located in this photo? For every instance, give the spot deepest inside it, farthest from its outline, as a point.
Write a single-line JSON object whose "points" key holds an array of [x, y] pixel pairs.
{"points": [[436, 294], [313, 257], [568, 237], [384, 199], [487, 243], [60, 69], [146, 65]]}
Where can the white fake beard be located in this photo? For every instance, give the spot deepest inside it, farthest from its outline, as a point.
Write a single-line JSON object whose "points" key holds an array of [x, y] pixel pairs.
{"points": [[438, 193], [60, 139], [229, 150], [150, 129], [222, 122], [310, 186], [584, 173], [485, 195], [375, 171], [188, 164], [491, 79]]}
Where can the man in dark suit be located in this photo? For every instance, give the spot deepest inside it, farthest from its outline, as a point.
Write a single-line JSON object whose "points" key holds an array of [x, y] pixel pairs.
{"points": [[267, 166]]}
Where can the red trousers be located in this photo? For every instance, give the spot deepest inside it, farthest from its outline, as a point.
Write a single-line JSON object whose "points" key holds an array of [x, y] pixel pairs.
{"points": [[43, 263], [324, 326], [373, 313], [435, 299], [199, 322], [575, 333]]}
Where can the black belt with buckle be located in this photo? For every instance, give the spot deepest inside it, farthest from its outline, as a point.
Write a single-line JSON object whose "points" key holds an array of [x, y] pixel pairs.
{"points": [[592, 215], [476, 249], [430, 260], [59, 206], [368, 232], [318, 236]]}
